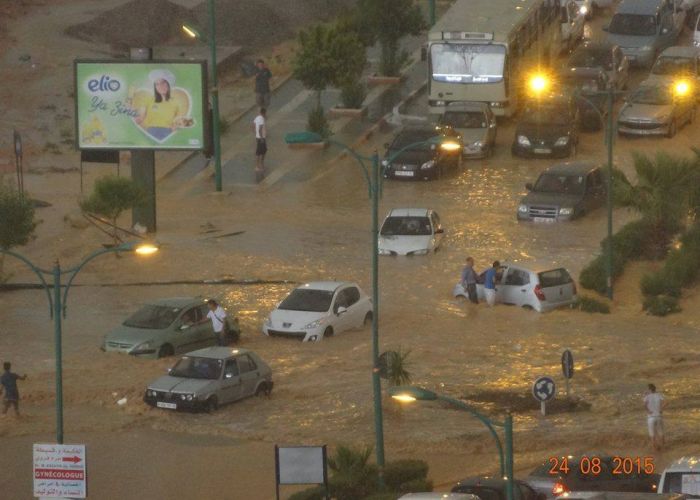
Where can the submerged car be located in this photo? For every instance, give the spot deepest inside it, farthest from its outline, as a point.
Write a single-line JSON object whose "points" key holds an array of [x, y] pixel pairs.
{"points": [[548, 128], [588, 86], [563, 192], [320, 309], [166, 327], [494, 488], [207, 378], [541, 290], [413, 155], [410, 231], [655, 110], [605, 56], [476, 124]]}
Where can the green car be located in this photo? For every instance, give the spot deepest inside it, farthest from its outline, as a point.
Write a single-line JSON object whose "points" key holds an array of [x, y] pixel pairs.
{"points": [[166, 327]]}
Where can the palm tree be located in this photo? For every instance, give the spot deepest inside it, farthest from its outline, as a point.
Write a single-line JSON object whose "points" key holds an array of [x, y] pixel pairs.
{"points": [[396, 370], [353, 476]]}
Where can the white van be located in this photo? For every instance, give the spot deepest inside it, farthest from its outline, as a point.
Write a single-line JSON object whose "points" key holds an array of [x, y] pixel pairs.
{"points": [[682, 476]]}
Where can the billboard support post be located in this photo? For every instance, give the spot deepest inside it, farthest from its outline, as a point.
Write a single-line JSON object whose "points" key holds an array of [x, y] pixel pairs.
{"points": [[143, 169]]}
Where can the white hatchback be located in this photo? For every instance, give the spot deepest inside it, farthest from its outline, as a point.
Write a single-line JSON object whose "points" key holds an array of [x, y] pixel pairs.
{"points": [[320, 309], [410, 231], [538, 290]]}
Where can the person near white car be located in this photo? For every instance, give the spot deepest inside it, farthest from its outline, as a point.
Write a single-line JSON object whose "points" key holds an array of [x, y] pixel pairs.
{"points": [[469, 279], [490, 283]]}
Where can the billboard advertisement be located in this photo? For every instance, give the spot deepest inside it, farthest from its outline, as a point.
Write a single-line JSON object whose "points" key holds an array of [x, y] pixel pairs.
{"points": [[141, 105]]}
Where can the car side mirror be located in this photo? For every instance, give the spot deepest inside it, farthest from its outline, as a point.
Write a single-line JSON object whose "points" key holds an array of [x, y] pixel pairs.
{"points": [[439, 230], [606, 27], [341, 310], [529, 186]]}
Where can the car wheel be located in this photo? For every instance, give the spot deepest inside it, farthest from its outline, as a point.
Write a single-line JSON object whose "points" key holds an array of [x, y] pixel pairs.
{"points": [[328, 332], [528, 307], [671, 129], [165, 351], [212, 404], [368, 319], [262, 390]]}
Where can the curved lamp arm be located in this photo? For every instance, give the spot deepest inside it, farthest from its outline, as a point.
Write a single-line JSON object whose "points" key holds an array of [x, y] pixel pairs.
{"points": [[124, 247], [38, 271]]}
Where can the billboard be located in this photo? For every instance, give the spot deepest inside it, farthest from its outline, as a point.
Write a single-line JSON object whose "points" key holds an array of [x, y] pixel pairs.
{"points": [[141, 105]]}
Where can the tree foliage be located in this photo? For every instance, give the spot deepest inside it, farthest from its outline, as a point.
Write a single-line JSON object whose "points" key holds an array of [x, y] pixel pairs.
{"points": [[397, 368], [17, 222], [111, 196], [353, 476]]}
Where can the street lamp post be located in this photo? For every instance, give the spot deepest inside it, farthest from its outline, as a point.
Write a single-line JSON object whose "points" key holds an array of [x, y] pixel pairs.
{"points": [[374, 180], [408, 394], [57, 307], [216, 133]]}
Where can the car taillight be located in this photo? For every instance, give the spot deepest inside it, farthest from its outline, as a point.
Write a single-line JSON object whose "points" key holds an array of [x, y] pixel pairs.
{"points": [[559, 489], [539, 293]]}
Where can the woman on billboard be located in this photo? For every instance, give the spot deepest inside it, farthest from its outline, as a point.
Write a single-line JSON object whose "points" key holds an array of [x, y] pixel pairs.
{"points": [[161, 114]]}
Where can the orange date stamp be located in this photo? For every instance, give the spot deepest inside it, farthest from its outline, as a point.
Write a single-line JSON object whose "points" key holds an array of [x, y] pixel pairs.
{"points": [[595, 466]]}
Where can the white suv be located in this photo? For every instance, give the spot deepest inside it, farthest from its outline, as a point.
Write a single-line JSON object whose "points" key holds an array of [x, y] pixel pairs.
{"points": [[539, 290], [682, 476]]}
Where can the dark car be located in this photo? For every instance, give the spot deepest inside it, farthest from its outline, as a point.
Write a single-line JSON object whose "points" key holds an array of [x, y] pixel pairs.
{"points": [[583, 475], [589, 88], [414, 156], [563, 192], [604, 56], [548, 128], [494, 488]]}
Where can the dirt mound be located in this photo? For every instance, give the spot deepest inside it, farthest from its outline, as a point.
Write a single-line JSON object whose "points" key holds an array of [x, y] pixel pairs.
{"points": [[135, 24]]}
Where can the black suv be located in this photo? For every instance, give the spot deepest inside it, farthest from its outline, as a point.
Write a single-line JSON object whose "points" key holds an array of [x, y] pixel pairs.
{"points": [[413, 156], [548, 128]]}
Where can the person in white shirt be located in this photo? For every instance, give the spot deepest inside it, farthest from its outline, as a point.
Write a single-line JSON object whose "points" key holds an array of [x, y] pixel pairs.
{"points": [[260, 128], [655, 404], [217, 315]]}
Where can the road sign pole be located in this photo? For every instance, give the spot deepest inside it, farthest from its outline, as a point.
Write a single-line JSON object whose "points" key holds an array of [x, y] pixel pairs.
{"points": [[542, 408], [567, 386]]}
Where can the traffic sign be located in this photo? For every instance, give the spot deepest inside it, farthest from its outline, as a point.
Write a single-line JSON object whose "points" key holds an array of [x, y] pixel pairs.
{"points": [[567, 364], [60, 471], [544, 389], [18, 143]]}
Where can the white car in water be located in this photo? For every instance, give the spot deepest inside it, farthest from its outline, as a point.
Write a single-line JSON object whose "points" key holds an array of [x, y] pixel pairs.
{"points": [[320, 309], [410, 231], [538, 290]]}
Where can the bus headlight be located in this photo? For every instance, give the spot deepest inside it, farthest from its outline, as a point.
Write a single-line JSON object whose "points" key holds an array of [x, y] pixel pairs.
{"points": [[523, 141]]}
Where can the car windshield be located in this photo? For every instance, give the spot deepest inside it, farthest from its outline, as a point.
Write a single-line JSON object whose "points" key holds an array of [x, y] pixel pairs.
{"points": [[672, 66], [196, 367], [406, 226], [651, 95], [464, 119], [591, 57], [546, 115], [153, 317], [416, 139], [560, 184], [633, 24], [682, 482], [306, 299]]}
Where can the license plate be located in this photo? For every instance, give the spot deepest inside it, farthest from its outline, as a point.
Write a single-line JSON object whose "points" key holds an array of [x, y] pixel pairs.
{"points": [[169, 406], [543, 219], [404, 173], [542, 151]]}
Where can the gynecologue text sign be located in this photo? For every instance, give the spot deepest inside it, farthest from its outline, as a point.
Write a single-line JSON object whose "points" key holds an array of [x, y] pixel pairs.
{"points": [[59, 471], [140, 105]]}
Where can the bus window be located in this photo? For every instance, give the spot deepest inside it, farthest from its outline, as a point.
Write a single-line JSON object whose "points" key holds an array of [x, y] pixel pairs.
{"points": [[467, 63]]}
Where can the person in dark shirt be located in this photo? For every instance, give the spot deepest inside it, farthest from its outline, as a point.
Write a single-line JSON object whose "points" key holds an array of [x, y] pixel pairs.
{"points": [[262, 84], [8, 385], [469, 280]]}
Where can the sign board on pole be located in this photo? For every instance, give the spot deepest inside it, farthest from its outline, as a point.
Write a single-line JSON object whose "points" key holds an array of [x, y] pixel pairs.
{"points": [[567, 364], [18, 143], [60, 471], [153, 105], [300, 465], [543, 390]]}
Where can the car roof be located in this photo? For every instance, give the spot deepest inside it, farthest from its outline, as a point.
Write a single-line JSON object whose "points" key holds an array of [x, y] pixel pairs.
{"points": [[217, 352], [409, 212], [178, 302], [638, 7], [685, 463], [534, 267], [681, 51], [593, 45], [571, 168], [489, 482], [329, 286]]}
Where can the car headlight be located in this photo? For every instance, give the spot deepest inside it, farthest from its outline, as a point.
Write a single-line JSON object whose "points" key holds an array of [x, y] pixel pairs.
{"points": [[522, 208], [151, 393], [523, 141], [189, 397], [182, 396], [477, 145], [663, 119], [646, 48], [143, 346], [268, 321], [419, 252], [566, 211], [384, 251], [314, 324], [562, 141], [583, 10], [496, 104], [385, 163], [427, 165], [313, 338]]}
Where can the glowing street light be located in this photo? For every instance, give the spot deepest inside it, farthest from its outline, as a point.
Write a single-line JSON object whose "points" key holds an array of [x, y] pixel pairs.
{"points": [[146, 249], [190, 31]]}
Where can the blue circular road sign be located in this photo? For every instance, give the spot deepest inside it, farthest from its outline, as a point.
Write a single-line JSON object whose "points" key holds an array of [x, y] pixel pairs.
{"points": [[544, 389]]}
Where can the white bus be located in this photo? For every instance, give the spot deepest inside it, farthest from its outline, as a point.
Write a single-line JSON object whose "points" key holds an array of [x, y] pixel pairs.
{"points": [[481, 50]]}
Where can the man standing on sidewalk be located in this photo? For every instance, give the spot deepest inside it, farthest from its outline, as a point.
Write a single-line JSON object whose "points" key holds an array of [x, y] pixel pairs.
{"points": [[262, 84], [655, 404], [260, 128], [8, 385], [469, 280]]}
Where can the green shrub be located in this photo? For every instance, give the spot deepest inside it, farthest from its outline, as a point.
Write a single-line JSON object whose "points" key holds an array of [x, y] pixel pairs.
{"points": [[661, 305], [318, 123], [594, 275], [654, 284], [398, 472], [315, 493], [416, 486], [353, 94], [591, 305], [353, 476]]}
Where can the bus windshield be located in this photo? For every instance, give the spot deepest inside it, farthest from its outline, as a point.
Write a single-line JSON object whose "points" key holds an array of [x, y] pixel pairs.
{"points": [[467, 62]]}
